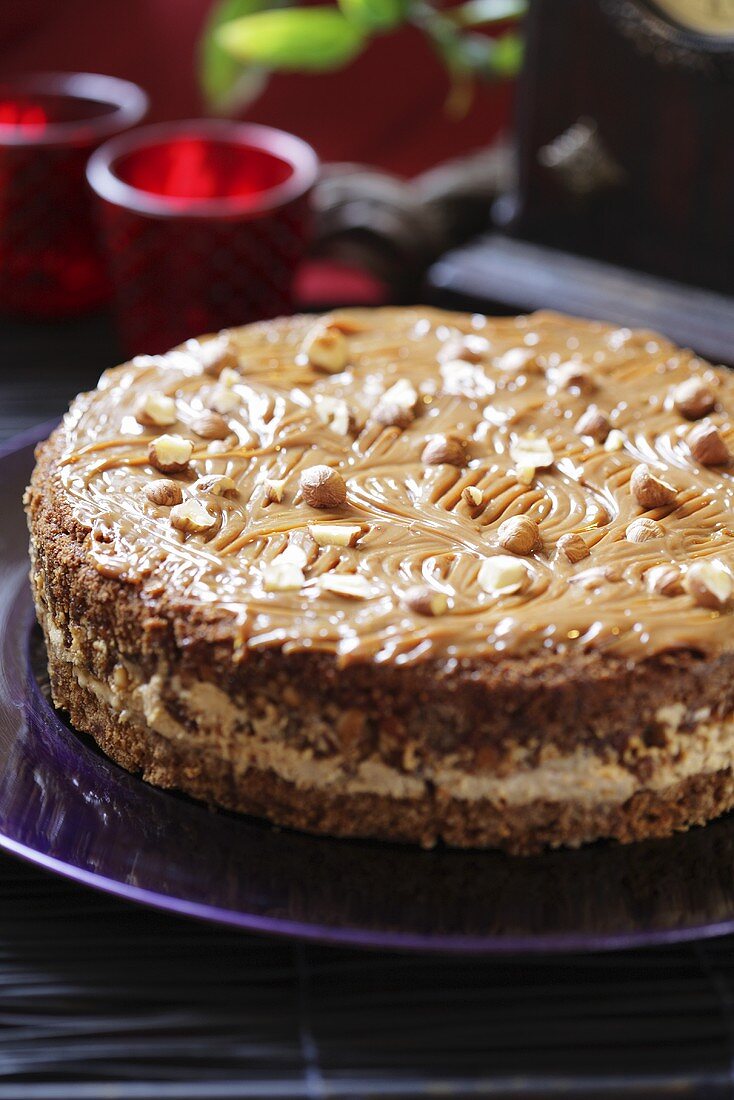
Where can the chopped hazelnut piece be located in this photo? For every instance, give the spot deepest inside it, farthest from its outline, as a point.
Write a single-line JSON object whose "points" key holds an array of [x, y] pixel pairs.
{"points": [[644, 530], [335, 534], [326, 349], [333, 412], [519, 534], [274, 489], [708, 446], [425, 601], [157, 411], [216, 484], [615, 441], [215, 356], [192, 517], [473, 496], [648, 490], [322, 487], [574, 376], [402, 393], [295, 554], [302, 540], [513, 360], [471, 348], [530, 453], [396, 407], [665, 580], [448, 449], [693, 399], [594, 423], [165, 493], [502, 575], [170, 453], [710, 583], [229, 377], [391, 415], [210, 425], [573, 547], [224, 400], [349, 585], [282, 575]]}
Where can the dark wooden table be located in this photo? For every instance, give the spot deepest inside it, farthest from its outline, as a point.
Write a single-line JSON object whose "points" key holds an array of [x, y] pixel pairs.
{"points": [[99, 999]]}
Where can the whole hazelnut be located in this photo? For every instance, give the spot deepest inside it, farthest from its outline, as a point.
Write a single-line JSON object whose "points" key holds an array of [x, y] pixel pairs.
{"points": [[708, 446], [164, 492], [442, 449], [665, 580], [693, 399], [210, 425], [425, 601], [648, 490], [519, 534], [572, 547], [594, 423], [323, 487], [644, 530]]}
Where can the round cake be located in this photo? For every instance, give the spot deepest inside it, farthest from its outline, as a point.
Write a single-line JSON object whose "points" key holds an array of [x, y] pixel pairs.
{"points": [[403, 573]]}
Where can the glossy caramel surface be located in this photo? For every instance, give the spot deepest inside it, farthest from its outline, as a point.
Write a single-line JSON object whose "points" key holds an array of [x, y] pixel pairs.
{"points": [[490, 383]]}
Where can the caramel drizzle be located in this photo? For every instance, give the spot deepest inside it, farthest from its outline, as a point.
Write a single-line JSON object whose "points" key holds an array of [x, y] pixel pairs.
{"points": [[419, 528]]}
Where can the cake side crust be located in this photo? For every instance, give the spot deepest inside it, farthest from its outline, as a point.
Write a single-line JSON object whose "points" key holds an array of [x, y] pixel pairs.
{"points": [[518, 830]]}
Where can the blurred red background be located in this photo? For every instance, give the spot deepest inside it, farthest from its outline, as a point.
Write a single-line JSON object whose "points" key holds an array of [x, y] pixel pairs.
{"points": [[387, 109]]}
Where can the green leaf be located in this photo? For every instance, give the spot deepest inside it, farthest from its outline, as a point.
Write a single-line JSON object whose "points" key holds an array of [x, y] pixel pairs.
{"points": [[507, 55], [374, 15], [470, 54], [476, 13], [223, 82], [314, 39]]}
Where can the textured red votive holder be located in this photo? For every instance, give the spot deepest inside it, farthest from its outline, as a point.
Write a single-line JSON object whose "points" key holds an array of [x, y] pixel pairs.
{"points": [[50, 261], [205, 224]]}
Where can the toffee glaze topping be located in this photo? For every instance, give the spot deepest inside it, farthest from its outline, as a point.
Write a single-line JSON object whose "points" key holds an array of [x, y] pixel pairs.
{"points": [[452, 440]]}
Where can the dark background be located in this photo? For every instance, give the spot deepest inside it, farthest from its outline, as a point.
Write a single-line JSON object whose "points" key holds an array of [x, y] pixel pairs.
{"points": [[388, 108]]}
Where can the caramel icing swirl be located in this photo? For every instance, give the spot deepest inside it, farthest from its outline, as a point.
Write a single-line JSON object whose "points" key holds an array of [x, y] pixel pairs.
{"points": [[413, 376]]}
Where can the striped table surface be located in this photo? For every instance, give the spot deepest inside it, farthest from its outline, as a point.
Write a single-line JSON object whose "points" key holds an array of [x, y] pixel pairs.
{"points": [[101, 999]]}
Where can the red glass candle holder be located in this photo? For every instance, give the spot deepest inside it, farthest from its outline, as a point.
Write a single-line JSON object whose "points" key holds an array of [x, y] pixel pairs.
{"points": [[50, 260], [205, 224]]}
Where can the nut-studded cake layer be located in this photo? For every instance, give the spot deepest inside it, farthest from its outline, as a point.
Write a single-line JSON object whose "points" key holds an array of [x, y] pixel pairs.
{"points": [[447, 555]]}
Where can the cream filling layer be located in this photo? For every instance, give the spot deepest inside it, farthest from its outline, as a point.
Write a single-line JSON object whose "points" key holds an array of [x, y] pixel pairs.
{"points": [[248, 741]]}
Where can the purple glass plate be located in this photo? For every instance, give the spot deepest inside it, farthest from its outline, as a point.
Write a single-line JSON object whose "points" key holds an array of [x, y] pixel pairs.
{"points": [[64, 806]]}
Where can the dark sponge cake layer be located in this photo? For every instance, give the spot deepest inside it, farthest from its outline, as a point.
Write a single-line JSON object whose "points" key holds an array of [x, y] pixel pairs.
{"points": [[522, 830]]}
